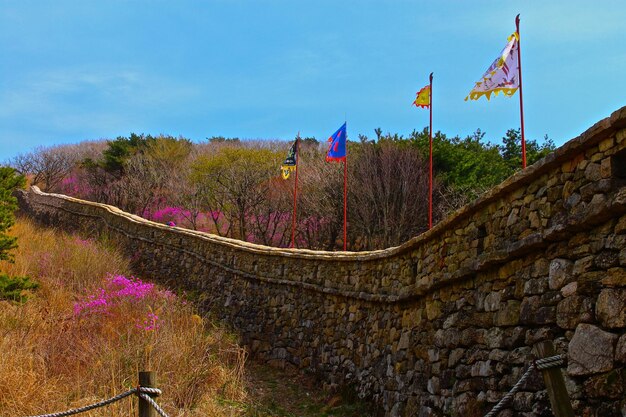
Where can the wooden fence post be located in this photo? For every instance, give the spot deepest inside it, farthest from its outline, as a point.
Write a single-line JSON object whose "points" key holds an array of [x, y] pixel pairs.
{"points": [[148, 379], [555, 384]]}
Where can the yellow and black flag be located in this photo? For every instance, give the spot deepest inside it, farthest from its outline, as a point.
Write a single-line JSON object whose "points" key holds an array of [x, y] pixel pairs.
{"points": [[291, 161]]}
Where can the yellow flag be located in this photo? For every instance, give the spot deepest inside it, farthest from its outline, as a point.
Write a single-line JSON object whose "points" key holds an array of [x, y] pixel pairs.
{"points": [[423, 97]]}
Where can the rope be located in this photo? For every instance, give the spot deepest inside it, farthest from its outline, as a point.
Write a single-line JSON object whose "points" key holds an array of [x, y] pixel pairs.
{"points": [[140, 391], [540, 364], [153, 404]]}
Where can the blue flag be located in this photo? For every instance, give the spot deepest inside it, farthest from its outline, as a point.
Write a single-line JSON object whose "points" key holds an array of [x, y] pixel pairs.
{"points": [[337, 147]]}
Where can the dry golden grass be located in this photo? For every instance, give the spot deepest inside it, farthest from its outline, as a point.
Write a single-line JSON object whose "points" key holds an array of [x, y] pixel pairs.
{"points": [[52, 360]]}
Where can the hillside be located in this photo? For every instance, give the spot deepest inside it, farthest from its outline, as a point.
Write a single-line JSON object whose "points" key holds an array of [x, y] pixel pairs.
{"points": [[87, 329]]}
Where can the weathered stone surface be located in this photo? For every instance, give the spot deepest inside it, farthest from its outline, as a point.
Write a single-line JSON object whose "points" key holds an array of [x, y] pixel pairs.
{"points": [[592, 172], [569, 289], [590, 351], [560, 273], [509, 314], [535, 286], [532, 311], [492, 301], [611, 308], [583, 265], [606, 259], [620, 350], [574, 310], [609, 385]]}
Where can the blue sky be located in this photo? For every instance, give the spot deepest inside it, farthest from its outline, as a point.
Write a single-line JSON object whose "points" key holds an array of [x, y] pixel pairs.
{"points": [[75, 70]]}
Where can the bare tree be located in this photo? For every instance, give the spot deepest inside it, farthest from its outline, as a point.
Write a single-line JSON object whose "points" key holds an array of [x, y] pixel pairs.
{"points": [[388, 194], [320, 217], [46, 167]]}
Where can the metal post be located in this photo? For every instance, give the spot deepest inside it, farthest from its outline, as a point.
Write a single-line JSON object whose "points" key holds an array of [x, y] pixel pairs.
{"points": [[430, 156], [521, 100]]}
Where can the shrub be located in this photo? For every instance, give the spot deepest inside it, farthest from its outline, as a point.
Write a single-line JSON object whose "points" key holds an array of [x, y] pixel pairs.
{"points": [[16, 288]]}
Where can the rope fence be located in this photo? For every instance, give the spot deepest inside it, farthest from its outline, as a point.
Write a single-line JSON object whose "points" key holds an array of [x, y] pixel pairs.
{"points": [[141, 392], [540, 364]]}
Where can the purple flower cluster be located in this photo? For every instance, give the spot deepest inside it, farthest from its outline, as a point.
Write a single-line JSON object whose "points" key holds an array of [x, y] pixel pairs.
{"points": [[120, 290], [76, 186], [169, 213]]}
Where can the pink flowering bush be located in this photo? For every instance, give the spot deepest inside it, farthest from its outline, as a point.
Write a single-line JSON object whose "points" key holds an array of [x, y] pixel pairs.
{"points": [[119, 295], [76, 186]]}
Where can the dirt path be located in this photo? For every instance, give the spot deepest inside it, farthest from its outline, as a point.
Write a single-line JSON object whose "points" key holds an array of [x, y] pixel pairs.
{"points": [[288, 393]]}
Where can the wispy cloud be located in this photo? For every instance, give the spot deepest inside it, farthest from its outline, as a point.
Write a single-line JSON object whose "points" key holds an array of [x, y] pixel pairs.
{"points": [[71, 99]]}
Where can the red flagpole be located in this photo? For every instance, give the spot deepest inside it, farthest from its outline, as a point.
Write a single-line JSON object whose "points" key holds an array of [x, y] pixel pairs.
{"points": [[521, 100], [430, 142], [295, 195], [345, 199]]}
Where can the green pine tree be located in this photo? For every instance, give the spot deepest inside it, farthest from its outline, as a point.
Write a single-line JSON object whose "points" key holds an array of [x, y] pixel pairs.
{"points": [[9, 181]]}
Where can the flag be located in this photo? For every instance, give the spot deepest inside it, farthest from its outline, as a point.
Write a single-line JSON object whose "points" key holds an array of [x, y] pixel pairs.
{"points": [[423, 98], [502, 75], [290, 162], [337, 147]]}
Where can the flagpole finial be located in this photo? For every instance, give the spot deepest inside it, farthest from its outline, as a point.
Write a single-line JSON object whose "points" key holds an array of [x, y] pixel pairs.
{"points": [[517, 22], [431, 77]]}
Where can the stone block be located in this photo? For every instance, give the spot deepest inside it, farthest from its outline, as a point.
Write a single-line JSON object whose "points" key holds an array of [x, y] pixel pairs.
{"points": [[583, 265], [605, 168], [482, 368], [541, 267], [608, 385], [606, 144], [492, 301], [611, 308], [620, 350], [606, 259], [590, 351], [615, 277], [405, 340], [569, 289], [538, 335], [535, 286], [455, 356], [533, 312], [574, 310], [523, 401], [509, 314], [560, 273], [433, 309], [620, 227]]}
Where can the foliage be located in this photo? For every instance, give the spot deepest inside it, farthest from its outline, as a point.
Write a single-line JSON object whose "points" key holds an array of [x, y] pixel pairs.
{"points": [[233, 188], [222, 139], [470, 166], [15, 288], [64, 359], [121, 149], [117, 294], [236, 181], [388, 201], [9, 181], [512, 150]]}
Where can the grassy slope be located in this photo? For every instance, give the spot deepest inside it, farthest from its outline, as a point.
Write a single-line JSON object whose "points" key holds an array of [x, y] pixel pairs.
{"points": [[53, 359]]}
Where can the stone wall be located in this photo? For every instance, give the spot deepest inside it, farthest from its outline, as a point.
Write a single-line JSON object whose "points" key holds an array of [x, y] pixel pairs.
{"points": [[444, 324]]}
